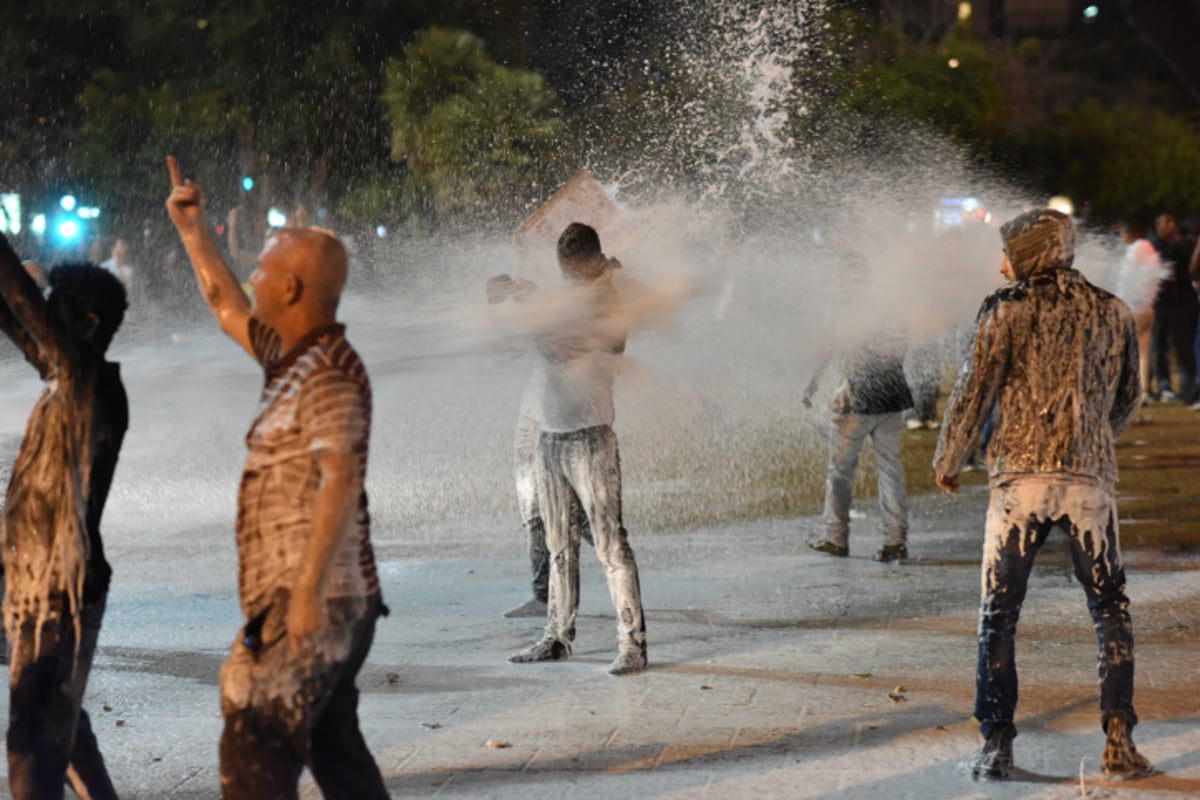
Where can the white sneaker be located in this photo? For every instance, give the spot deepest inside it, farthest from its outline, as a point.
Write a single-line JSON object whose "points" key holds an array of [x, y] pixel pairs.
{"points": [[913, 424]]}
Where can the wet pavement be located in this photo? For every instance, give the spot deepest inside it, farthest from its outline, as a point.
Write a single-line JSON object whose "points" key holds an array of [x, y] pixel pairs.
{"points": [[775, 671]]}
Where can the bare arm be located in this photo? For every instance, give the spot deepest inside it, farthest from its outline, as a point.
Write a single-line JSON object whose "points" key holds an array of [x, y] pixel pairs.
{"points": [[221, 290], [23, 312]]}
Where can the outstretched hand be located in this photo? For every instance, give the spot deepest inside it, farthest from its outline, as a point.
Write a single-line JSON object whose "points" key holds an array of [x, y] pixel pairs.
{"points": [[186, 203], [947, 483]]}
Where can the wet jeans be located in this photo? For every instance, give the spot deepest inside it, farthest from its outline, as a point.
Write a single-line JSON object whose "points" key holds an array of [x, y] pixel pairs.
{"points": [[525, 452], [584, 467], [285, 711], [847, 435], [1020, 516], [50, 739]]}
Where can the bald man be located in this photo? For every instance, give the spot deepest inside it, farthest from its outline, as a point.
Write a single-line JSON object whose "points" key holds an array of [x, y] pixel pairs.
{"points": [[306, 571]]}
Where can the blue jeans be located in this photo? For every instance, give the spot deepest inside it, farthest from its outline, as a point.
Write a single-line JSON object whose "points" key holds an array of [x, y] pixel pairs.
{"points": [[1020, 517]]}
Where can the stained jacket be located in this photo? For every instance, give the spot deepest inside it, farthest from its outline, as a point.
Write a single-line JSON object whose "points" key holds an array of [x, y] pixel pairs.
{"points": [[1061, 357]]}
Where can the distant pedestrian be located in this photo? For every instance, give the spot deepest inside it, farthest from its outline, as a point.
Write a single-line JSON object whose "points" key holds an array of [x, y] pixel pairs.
{"points": [[1175, 312], [869, 403]]}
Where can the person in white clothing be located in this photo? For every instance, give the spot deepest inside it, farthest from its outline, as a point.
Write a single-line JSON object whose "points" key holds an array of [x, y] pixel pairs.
{"points": [[577, 460], [1138, 277]]}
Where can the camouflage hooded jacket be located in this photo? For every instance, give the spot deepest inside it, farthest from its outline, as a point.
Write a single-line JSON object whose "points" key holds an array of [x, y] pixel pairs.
{"points": [[1058, 354]]}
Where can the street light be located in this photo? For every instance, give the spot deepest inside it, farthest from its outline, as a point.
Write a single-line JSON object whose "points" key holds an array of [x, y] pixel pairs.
{"points": [[67, 201]]}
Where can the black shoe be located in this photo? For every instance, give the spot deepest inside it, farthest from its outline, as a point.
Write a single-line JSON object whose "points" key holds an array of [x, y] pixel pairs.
{"points": [[545, 650], [993, 761], [826, 546], [891, 552]]}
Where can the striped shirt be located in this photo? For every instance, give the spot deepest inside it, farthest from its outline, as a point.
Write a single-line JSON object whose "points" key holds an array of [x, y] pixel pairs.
{"points": [[316, 400]]}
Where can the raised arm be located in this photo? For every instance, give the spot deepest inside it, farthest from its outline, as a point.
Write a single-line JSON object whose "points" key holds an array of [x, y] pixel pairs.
{"points": [[221, 290], [23, 316]]}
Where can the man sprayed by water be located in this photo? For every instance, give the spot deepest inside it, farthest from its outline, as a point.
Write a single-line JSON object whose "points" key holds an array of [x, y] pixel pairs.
{"points": [[306, 570], [525, 456], [577, 459], [1060, 357], [55, 572], [870, 401]]}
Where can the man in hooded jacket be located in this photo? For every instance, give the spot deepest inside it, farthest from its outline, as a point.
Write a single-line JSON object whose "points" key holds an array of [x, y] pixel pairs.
{"points": [[1060, 356]]}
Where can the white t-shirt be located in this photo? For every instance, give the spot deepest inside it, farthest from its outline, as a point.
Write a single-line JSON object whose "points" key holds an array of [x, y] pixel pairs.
{"points": [[1138, 276]]}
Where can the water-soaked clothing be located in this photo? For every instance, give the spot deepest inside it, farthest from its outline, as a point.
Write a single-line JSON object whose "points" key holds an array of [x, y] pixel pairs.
{"points": [[869, 403], [282, 710], [1060, 356], [584, 468], [1021, 514], [56, 576], [847, 435], [578, 465], [525, 449]]}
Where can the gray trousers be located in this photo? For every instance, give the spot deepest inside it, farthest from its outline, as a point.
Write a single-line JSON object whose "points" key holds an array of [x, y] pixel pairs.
{"points": [[847, 435], [584, 467], [525, 451]]}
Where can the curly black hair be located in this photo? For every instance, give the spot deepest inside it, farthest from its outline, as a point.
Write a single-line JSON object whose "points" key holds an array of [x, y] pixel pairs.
{"points": [[77, 290]]}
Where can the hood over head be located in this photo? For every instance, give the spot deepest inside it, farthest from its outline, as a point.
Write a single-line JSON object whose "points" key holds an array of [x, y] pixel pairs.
{"points": [[1039, 241]]}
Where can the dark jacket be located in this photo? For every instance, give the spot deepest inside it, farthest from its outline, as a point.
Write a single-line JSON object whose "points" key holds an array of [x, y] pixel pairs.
{"points": [[872, 378]]}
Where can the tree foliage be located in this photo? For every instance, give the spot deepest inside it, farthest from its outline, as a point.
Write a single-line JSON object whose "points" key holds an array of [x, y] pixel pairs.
{"points": [[478, 139]]}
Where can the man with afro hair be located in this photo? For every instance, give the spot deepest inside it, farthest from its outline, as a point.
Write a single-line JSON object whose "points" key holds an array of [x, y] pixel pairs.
{"points": [[56, 575]]}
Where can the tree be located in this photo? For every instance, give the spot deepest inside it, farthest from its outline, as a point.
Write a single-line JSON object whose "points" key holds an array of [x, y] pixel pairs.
{"points": [[478, 139]]}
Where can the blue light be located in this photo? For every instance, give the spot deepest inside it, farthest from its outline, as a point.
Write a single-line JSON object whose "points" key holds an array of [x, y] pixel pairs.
{"points": [[38, 224], [67, 202], [1091, 12], [247, 183], [276, 218], [68, 229]]}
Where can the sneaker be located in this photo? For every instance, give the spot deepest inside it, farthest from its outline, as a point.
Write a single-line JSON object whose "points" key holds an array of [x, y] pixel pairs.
{"points": [[629, 662], [1195, 406], [931, 424], [993, 761], [891, 552], [1167, 396], [913, 424], [826, 546], [530, 608], [545, 650], [1121, 758]]}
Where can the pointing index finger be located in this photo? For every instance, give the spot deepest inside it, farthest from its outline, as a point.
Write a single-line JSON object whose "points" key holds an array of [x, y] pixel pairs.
{"points": [[173, 168]]}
